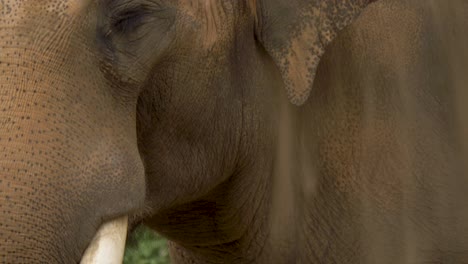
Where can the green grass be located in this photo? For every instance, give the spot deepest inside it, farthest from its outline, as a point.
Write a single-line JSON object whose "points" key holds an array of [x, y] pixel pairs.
{"points": [[146, 247]]}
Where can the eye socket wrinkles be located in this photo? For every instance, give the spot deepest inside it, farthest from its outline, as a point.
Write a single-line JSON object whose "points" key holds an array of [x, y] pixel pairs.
{"points": [[132, 35], [127, 16], [128, 20]]}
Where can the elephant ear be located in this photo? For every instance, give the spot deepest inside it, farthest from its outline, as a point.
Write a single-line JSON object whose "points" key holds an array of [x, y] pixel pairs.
{"points": [[296, 32]]}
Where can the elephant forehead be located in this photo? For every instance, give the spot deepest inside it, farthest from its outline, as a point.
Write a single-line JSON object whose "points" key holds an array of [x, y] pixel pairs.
{"points": [[207, 15], [214, 18], [25, 16], [17, 10]]}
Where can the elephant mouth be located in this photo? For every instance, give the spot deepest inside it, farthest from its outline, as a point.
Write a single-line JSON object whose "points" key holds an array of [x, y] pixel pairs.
{"points": [[107, 246]]}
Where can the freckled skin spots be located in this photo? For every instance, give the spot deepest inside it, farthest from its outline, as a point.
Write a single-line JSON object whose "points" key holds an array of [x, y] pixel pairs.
{"points": [[175, 113], [298, 41], [66, 153]]}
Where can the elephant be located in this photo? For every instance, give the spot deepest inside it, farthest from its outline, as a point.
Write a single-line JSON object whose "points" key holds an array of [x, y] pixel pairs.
{"points": [[244, 131]]}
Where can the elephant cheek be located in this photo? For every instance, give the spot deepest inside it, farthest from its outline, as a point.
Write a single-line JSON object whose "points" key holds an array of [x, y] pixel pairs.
{"points": [[127, 187], [119, 185]]}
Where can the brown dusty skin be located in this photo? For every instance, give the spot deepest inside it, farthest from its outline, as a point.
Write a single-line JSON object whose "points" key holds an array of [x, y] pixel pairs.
{"points": [[371, 169], [178, 113], [384, 142], [67, 159]]}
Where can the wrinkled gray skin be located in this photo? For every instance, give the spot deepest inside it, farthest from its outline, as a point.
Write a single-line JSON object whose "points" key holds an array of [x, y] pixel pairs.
{"points": [[176, 113]]}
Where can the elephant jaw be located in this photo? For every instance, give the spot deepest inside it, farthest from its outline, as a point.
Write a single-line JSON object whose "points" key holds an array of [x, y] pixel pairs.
{"points": [[108, 244]]}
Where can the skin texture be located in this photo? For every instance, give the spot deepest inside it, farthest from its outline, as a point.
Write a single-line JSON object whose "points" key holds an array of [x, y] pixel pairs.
{"points": [[178, 113]]}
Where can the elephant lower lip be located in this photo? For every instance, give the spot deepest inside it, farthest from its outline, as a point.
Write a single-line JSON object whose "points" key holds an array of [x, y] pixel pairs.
{"points": [[107, 246]]}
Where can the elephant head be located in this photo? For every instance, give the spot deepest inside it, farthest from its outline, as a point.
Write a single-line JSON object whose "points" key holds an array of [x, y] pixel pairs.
{"points": [[156, 110]]}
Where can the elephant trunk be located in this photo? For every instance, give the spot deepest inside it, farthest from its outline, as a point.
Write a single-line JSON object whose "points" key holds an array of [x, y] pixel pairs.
{"points": [[69, 159], [37, 171], [61, 175], [50, 207]]}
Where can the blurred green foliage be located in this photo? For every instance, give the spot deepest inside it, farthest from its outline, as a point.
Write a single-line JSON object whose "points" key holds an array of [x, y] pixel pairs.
{"points": [[146, 247]]}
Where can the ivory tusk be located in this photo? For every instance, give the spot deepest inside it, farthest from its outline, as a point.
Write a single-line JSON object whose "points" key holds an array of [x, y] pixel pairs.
{"points": [[108, 244]]}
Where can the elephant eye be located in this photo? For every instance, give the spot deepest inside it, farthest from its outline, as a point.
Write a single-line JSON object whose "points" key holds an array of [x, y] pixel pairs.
{"points": [[128, 21]]}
